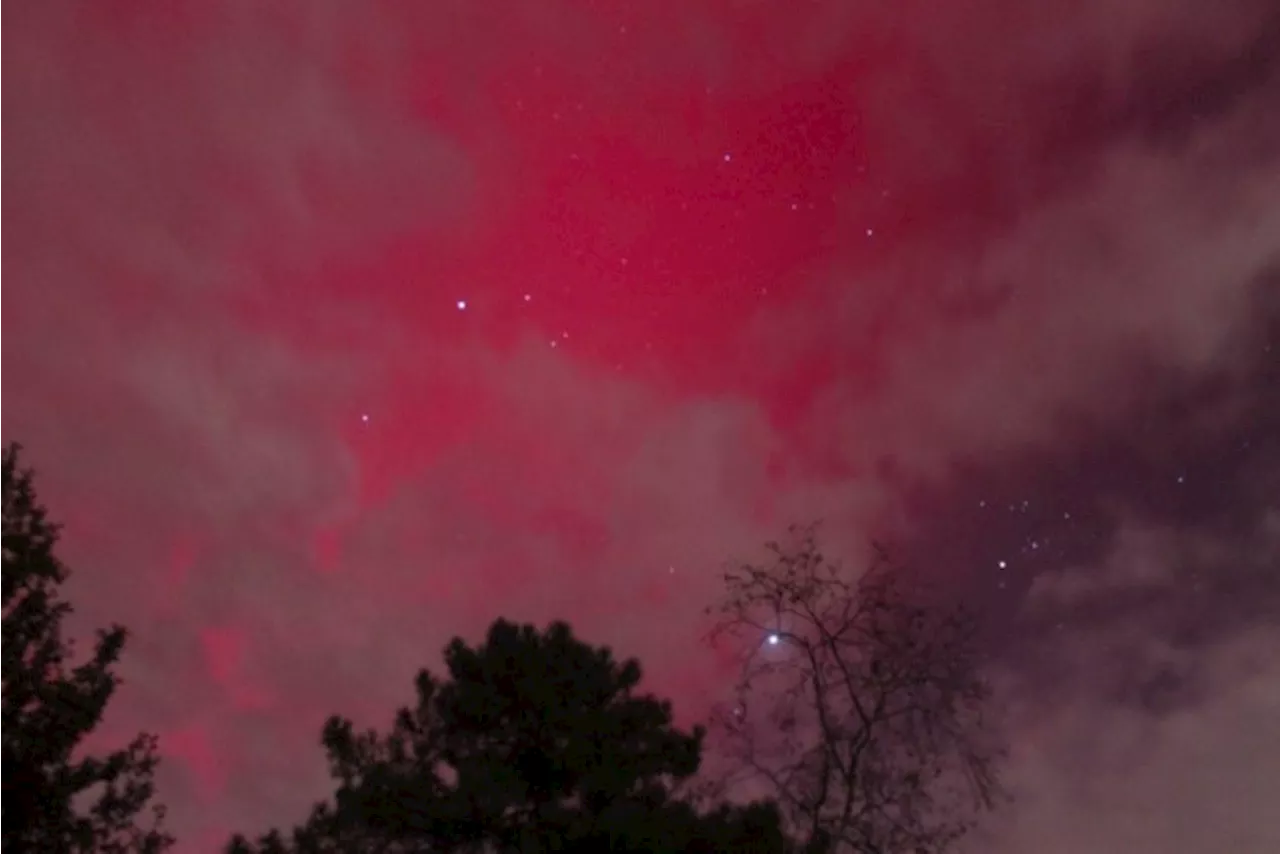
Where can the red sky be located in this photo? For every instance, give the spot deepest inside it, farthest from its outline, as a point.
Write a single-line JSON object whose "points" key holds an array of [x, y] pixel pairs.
{"points": [[334, 331]]}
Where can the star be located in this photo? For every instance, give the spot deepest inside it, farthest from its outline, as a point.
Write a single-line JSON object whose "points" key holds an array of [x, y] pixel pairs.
{"points": [[365, 417], [773, 640], [462, 305]]}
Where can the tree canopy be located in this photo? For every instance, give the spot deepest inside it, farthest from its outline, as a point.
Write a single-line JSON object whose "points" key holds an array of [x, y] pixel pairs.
{"points": [[536, 742], [54, 798], [861, 712]]}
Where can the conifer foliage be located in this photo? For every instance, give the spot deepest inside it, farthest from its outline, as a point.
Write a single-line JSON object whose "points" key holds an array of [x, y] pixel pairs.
{"points": [[56, 799], [537, 742]]}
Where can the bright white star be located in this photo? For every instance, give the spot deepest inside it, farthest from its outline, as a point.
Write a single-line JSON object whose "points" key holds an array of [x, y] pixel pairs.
{"points": [[462, 305]]}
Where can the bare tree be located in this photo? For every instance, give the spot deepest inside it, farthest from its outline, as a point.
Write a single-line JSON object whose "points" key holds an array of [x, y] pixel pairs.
{"points": [[860, 706]]}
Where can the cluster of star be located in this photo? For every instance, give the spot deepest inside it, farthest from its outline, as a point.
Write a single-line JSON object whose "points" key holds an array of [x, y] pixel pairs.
{"points": [[1031, 543], [462, 305], [1049, 536]]}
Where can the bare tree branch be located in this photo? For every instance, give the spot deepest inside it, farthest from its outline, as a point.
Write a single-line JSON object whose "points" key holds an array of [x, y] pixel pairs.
{"points": [[860, 703]]}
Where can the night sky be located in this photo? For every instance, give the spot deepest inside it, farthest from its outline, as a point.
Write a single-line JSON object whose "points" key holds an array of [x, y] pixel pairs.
{"points": [[335, 330]]}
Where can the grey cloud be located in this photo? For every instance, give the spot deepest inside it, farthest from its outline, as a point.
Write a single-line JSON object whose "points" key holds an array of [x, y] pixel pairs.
{"points": [[1142, 699]]}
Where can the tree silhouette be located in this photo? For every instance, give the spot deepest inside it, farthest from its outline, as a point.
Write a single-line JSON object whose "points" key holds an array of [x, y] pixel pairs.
{"points": [[537, 743], [860, 705], [53, 801]]}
